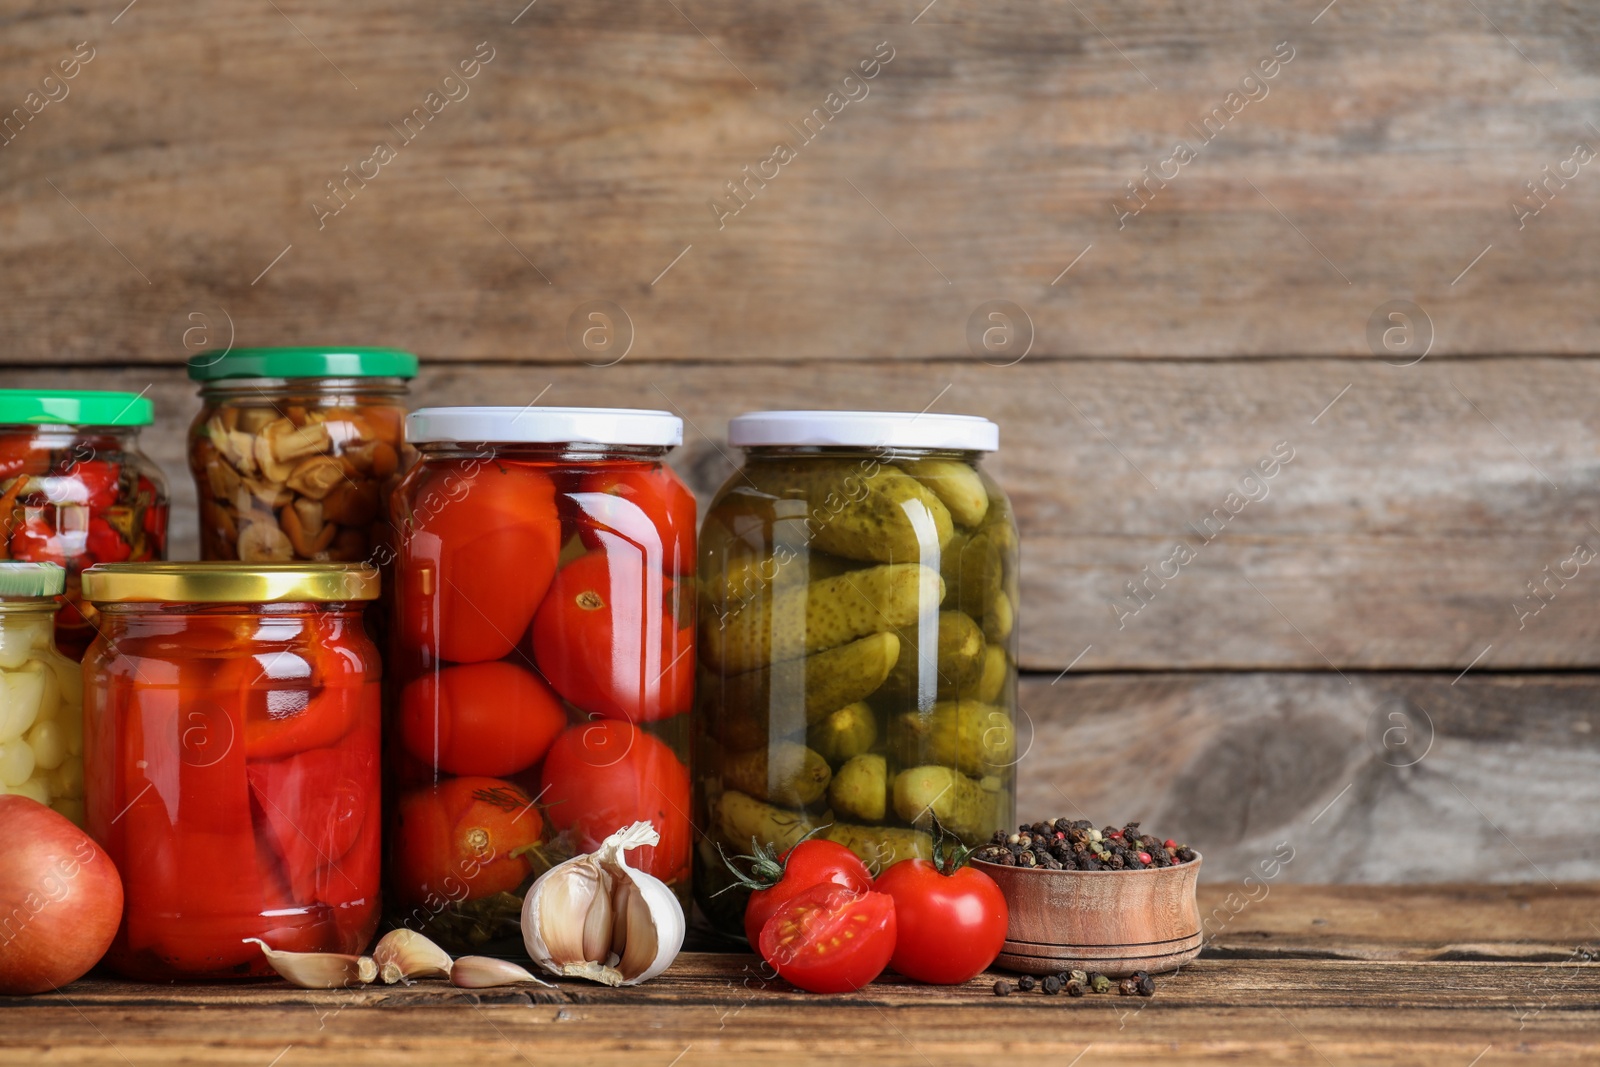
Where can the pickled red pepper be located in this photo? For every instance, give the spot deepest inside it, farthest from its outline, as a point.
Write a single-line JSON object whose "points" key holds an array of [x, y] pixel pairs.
{"points": [[233, 756]]}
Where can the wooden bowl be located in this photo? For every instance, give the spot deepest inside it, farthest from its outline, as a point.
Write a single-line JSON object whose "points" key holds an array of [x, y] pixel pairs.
{"points": [[1114, 922]]}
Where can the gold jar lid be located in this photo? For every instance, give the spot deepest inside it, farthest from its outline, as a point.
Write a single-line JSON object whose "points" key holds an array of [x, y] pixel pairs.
{"points": [[229, 583]]}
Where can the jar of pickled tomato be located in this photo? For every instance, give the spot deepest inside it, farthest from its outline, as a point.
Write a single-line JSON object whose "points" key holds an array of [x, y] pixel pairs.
{"points": [[858, 642], [295, 451], [75, 490], [544, 659], [41, 693], [231, 749]]}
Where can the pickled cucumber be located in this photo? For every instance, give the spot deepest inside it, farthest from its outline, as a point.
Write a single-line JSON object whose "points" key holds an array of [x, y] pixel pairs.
{"points": [[880, 847], [957, 485], [844, 734], [960, 659], [784, 773], [992, 682], [861, 509], [973, 737], [739, 819], [861, 789], [789, 623], [820, 683], [999, 619], [960, 804]]}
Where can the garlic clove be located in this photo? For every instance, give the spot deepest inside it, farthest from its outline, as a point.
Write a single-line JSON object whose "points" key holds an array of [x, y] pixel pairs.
{"points": [[318, 970], [484, 972], [569, 896], [402, 955], [595, 917]]}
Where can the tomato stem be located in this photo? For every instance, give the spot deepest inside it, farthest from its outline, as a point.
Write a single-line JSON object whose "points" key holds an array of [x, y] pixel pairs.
{"points": [[766, 865]]}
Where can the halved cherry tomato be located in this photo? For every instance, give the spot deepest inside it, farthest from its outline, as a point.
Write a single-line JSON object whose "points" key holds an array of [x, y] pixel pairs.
{"points": [[463, 839], [480, 718], [659, 496], [810, 863], [604, 775], [605, 643], [952, 925], [831, 939], [477, 553]]}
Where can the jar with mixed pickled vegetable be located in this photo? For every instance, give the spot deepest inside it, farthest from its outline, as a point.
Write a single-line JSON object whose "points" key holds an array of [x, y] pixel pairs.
{"points": [[543, 668], [858, 636], [41, 693], [231, 746], [295, 451], [75, 490]]}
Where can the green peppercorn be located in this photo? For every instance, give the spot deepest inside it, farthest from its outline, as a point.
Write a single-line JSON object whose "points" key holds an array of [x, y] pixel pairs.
{"points": [[1099, 982]]}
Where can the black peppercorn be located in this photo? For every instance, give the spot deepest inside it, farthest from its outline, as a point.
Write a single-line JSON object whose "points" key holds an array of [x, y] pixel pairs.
{"points": [[1145, 985], [1128, 987], [1073, 987], [1026, 983], [1002, 988], [1052, 984]]}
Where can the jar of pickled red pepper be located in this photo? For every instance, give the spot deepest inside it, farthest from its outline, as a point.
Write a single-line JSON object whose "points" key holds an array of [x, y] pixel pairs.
{"points": [[543, 665], [231, 749], [295, 451], [858, 642], [41, 693], [75, 490]]}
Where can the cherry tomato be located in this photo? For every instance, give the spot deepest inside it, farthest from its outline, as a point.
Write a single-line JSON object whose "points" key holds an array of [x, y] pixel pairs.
{"points": [[477, 552], [603, 775], [951, 925], [658, 496], [810, 863], [480, 718], [831, 939], [461, 840], [605, 643]]}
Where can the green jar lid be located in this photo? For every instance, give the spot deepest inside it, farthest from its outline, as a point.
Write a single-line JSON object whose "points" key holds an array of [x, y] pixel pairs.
{"points": [[302, 363], [74, 408], [31, 579]]}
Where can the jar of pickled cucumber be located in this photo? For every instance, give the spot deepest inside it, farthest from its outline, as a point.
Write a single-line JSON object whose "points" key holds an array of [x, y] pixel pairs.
{"points": [[41, 693], [858, 636]]}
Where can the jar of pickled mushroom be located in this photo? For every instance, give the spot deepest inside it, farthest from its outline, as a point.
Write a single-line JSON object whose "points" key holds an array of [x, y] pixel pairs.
{"points": [[75, 490], [543, 660], [41, 693], [858, 637], [231, 749], [295, 451]]}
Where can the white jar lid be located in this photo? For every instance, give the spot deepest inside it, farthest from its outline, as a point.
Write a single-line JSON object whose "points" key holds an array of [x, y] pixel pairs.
{"points": [[864, 429], [541, 425]]}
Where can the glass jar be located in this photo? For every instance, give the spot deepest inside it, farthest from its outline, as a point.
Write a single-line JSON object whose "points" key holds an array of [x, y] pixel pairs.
{"points": [[75, 490], [858, 642], [296, 450], [543, 666], [41, 693], [231, 720]]}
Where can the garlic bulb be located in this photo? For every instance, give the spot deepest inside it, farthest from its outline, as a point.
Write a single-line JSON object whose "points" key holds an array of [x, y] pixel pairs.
{"points": [[595, 917]]}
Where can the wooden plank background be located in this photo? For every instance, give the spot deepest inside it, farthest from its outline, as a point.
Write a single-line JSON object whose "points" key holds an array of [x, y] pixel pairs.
{"points": [[1429, 976], [166, 200]]}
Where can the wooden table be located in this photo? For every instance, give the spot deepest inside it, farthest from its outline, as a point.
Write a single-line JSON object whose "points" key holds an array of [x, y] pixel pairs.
{"points": [[1453, 976]]}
